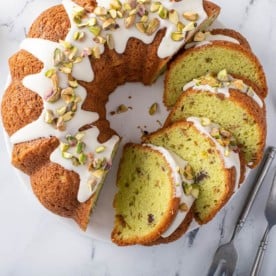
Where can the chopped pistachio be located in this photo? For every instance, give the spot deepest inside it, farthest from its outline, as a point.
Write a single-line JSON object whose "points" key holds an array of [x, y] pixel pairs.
{"points": [[100, 11], [223, 76], [80, 147], [75, 161], [129, 21], [62, 110], [68, 94], [215, 132], [95, 30], [153, 109], [98, 173], [144, 19], [177, 36], [191, 16], [96, 52], [188, 172], [113, 13], [108, 24], [49, 116], [66, 45], [66, 68], [79, 136], [122, 108], [183, 207], [92, 22], [199, 36], [153, 26], [173, 16], [72, 140], [64, 146], [49, 73], [190, 27], [73, 83], [180, 26], [195, 191], [205, 121], [155, 6], [132, 12], [78, 35], [163, 12], [58, 57], [115, 4], [227, 152], [67, 155], [100, 149], [99, 39], [60, 124], [68, 116], [187, 188], [82, 158], [140, 26], [110, 41]]}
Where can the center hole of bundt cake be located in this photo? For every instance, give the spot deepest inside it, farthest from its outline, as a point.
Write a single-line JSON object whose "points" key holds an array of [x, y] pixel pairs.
{"points": [[134, 109]]}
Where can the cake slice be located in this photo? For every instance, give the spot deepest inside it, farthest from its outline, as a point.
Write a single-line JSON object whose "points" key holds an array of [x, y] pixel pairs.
{"points": [[230, 103], [147, 199], [216, 168], [212, 58]]}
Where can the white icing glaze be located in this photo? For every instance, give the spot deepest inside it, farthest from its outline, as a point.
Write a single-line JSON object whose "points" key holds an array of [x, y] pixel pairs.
{"points": [[92, 144], [167, 47], [175, 163], [232, 160], [211, 37], [225, 90]]}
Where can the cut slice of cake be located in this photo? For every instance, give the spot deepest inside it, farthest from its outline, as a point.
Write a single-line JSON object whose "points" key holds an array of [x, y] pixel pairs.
{"points": [[216, 168], [150, 202], [230, 103], [212, 58]]}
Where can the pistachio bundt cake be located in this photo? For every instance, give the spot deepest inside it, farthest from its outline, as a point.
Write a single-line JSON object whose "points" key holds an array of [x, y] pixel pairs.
{"points": [[213, 57], [230, 103], [73, 58]]}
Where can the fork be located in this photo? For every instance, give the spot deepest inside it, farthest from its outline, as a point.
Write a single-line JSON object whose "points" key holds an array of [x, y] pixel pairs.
{"points": [[270, 214], [225, 258]]}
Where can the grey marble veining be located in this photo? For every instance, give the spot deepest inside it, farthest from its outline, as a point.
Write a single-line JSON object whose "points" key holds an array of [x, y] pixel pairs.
{"points": [[34, 242]]}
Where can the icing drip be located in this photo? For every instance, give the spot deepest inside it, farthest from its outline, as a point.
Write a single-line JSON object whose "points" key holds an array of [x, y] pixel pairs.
{"points": [[209, 38], [224, 89], [176, 163], [230, 161]]}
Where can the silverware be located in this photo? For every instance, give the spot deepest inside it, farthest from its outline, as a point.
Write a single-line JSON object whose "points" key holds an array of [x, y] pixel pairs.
{"points": [[225, 257], [270, 214]]}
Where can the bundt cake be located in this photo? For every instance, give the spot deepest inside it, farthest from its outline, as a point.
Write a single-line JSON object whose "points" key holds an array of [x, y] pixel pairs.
{"points": [[230, 103], [73, 58], [212, 58], [150, 195], [216, 168]]}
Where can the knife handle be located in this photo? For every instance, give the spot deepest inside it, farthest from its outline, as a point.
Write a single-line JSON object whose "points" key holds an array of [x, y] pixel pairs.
{"points": [[270, 154]]}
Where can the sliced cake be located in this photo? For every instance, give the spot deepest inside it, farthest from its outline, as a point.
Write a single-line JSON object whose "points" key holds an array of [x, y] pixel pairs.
{"points": [[148, 195], [212, 58], [216, 169], [230, 103]]}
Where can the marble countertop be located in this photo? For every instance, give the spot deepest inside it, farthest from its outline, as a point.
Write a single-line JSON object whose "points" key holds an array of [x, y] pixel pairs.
{"points": [[35, 242]]}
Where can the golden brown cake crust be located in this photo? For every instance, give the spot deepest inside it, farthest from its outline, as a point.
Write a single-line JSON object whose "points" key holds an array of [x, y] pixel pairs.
{"points": [[162, 225], [234, 34]]}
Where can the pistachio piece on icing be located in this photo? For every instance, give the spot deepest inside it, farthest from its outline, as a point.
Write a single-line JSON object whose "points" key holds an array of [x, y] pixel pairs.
{"points": [[191, 16]]}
